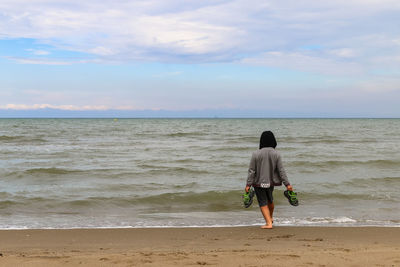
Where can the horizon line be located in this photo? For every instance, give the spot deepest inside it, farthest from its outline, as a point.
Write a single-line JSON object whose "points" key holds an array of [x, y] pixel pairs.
{"points": [[193, 117]]}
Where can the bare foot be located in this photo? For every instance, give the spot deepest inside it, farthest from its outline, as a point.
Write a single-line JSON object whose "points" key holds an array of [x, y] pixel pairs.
{"points": [[266, 226]]}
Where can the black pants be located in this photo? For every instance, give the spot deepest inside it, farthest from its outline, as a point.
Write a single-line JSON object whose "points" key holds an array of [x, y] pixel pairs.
{"points": [[264, 195]]}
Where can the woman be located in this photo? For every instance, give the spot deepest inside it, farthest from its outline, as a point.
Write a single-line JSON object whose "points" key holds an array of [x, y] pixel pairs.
{"points": [[265, 172]]}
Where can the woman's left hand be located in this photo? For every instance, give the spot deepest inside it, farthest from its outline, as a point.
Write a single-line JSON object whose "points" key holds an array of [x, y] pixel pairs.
{"points": [[289, 187]]}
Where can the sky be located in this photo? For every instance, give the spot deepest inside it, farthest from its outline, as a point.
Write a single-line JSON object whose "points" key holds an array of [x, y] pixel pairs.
{"points": [[200, 58]]}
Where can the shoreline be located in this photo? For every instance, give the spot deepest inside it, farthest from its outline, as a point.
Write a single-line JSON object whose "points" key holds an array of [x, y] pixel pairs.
{"points": [[194, 246], [202, 226]]}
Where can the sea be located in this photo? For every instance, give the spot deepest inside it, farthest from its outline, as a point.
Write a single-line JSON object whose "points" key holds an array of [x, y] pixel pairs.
{"points": [[142, 173]]}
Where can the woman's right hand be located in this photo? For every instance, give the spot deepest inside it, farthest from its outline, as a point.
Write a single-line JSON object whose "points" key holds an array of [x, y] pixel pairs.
{"points": [[247, 189]]}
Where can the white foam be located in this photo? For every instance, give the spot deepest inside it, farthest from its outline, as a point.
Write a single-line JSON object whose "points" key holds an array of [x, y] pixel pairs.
{"points": [[311, 221]]}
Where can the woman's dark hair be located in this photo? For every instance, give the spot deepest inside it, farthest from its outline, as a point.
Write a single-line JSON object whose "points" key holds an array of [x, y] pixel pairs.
{"points": [[267, 139]]}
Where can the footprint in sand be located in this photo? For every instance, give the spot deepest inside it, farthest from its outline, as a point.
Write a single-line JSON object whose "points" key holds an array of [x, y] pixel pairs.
{"points": [[284, 236], [305, 239]]}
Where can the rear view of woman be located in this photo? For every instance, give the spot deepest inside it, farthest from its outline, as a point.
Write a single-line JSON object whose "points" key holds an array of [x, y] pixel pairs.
{"points": [[265, 172]]}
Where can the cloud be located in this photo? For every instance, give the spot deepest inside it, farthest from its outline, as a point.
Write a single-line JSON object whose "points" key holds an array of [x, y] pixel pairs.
{"points": [[60, 107], [174, 28], [129, 29], [380, 85], [51, 61], [343, 52], [38, 52], [39, 61], [352, 36], [307, 62]]}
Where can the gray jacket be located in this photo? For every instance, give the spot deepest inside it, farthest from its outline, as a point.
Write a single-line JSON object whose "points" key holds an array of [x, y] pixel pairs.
{"points": [[266, 169]]}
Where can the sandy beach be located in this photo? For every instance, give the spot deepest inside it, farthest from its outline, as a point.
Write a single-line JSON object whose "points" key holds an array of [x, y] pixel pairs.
{"points": [[238, 246]]}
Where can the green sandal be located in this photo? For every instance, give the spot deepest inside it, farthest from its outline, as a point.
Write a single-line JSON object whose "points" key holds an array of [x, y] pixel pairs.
{"points": [[292, 197], [248, 198]]}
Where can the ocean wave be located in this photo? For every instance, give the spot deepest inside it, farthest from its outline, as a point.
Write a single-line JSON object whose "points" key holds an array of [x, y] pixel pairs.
{"points": [[324, 140], [240, 221], [382, 188], [246, 149], [50, 171], [5, 195], [313, 196], [157, 169], [23, 201], [184, 134], [339, 163], [335, 221], [7, 203], [386, 182], [148, 186], [317, 221], [37, 172], [241, 139], [186, 186], [212, 201], [8, 138], [21, 139]]}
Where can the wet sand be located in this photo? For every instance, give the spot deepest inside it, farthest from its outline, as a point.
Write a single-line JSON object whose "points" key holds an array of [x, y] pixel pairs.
{"points": [[238, 246]]}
